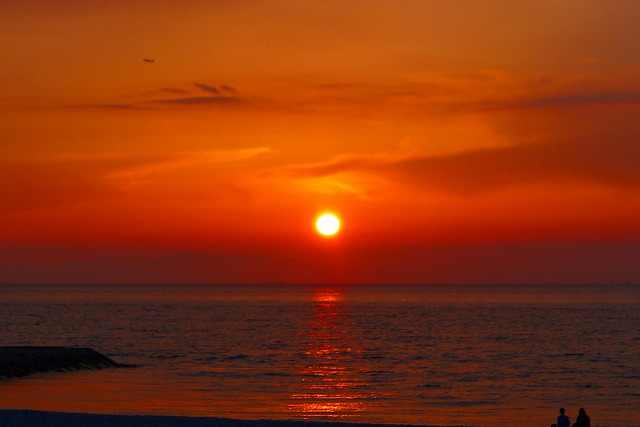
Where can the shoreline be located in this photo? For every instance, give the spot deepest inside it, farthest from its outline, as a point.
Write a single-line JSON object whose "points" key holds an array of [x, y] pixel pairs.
{"points": [[32, 418]]}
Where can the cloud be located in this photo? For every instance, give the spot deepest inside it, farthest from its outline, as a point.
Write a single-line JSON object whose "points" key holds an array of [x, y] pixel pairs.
{"points": [[207, 88], [216, 96], [595, 161], [583, 99], [228, 89], [107, 106], [198, 100], [232, 156], [339, 165], [189, 159], [36, 184], [486, 91], [566, 100], [480, 170], [174, 90], [78, 177], [561, 136], [214, 90], [226, 95]]}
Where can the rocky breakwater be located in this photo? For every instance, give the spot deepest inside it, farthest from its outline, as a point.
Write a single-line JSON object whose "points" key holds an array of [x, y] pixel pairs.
{"points": [[22, 361]]}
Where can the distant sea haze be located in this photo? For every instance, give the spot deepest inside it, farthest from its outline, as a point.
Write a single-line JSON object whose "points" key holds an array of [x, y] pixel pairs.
{"points": [[426, 355]]}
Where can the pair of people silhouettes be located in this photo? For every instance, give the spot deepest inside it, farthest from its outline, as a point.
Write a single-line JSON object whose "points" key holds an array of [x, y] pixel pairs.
{"points": [[582, 420]]}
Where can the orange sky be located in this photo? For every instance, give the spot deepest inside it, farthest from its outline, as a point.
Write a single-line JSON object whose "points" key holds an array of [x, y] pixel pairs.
{"points": [[460, 141]]}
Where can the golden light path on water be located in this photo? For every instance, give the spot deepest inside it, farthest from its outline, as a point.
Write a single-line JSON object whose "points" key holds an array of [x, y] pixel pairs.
{"points": [[331, 385]]}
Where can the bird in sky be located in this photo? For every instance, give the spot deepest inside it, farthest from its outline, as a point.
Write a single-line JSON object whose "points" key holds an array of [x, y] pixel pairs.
{"points": [[148, 60]]}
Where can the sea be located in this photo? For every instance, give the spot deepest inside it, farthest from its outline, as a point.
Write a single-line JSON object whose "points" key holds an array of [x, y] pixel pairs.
{"points": [[481, 355]]}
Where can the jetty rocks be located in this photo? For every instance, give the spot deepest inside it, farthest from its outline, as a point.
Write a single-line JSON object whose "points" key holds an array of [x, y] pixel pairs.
{"points": [[22, 361]]}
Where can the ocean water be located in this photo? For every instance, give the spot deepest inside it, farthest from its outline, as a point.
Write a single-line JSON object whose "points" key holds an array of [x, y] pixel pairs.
{"points": [[426, 355]]}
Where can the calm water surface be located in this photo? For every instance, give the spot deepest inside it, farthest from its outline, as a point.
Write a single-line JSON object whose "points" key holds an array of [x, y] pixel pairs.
{"points": [[429, 355]]}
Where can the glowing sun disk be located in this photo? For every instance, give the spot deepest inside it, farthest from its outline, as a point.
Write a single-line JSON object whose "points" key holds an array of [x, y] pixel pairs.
{"points": [[327, 224]]}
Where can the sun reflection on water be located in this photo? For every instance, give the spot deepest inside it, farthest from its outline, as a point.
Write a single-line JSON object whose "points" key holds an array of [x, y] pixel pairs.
{"points": [[332, 383]]}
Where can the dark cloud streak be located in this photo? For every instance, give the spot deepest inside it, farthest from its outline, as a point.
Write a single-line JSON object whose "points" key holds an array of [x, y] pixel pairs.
{"points": [[199, 100], [107, 106], [207, 88], [174, 91], [216, 97], [569, 100]]}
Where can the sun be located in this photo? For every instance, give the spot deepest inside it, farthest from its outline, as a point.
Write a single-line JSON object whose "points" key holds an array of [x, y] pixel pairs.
{"points": [[328, 224]]}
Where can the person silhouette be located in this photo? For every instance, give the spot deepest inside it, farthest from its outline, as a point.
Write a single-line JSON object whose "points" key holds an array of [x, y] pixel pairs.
{"points": [[563, 420], [583, 419]]}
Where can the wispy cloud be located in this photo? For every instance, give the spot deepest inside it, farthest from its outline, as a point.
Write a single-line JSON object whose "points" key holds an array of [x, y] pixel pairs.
{"points": [[207, 88], [549, 133], [190, 159], [198, 100], [577, 99], [214, 90], [232, 156], [216, 96], [174, 91], [592, 162], [107, 106], [59, 181], [532, 102], [488, 91], [78, 177], [225, 95], [229, 89]]}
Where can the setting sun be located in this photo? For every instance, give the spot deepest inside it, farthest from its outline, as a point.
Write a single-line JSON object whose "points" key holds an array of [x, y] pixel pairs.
{"points": [[328, 224]]}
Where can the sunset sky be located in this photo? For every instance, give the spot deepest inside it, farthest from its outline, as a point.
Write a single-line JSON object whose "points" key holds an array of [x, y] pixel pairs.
{"points": [[458, 141]]}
